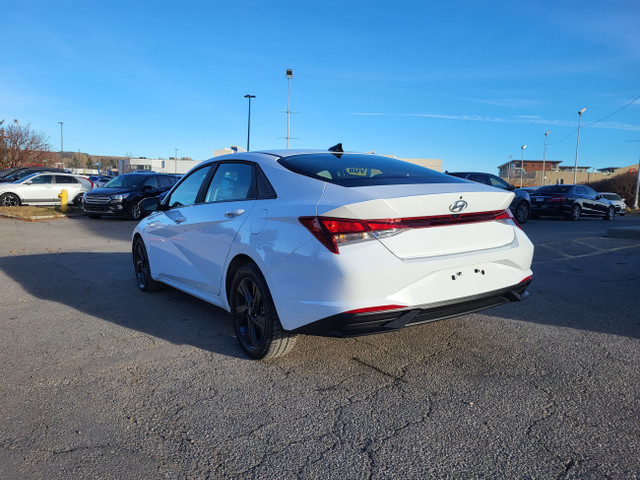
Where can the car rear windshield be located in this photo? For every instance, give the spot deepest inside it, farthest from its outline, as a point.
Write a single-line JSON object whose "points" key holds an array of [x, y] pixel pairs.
{"points": [[554, 189], [357, 170]]}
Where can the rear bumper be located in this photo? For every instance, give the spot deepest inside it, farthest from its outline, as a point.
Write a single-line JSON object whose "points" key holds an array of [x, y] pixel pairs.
{"points": [[551, 210], [353, 325]]}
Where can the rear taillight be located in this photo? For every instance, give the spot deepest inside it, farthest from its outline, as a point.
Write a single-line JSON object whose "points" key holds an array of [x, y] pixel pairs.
{"points": [[333, 232]]}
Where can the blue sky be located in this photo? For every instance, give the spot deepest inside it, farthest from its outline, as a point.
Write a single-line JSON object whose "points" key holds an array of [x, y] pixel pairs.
{"points": [[465, 81]]}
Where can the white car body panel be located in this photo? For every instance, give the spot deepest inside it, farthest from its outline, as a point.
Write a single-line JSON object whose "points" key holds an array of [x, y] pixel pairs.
{"points": [[45, 193]]}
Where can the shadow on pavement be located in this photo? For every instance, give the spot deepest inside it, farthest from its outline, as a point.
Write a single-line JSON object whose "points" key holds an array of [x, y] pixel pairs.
{"points": [[102, 285]]}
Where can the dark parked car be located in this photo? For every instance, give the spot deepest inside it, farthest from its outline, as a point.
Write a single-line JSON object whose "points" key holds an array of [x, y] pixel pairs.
{"points": [[571, 202], [21, 173], [521, 203], [121, 196]]}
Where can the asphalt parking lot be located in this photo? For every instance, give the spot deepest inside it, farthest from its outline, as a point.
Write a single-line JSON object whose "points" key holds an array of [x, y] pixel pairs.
{"points": [[102, 381]]}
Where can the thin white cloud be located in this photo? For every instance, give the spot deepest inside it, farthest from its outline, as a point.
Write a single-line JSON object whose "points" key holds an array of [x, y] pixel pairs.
{"points": [[526, 119]]}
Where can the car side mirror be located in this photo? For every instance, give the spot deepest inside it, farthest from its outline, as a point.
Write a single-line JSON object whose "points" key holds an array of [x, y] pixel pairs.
{"points": [[151, 204], [511, 188], [147, 187]]}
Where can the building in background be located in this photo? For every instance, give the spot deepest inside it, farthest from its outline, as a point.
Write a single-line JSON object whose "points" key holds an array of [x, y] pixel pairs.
{"points": [[554, 173]]}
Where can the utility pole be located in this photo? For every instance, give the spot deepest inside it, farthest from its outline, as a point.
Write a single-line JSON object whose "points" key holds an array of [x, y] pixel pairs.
{"points": [[544, 155], [575, 168], [61, 144], [289, 77]]}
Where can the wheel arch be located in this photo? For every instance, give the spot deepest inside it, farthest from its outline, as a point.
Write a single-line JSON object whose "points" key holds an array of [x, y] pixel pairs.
{"points": [[235, 264], [15, 195]]}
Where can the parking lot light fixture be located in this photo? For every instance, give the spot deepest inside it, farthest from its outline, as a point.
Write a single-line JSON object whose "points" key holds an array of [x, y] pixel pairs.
{"points": [[544, 155], [249, 120], [575, 168], [522, 164]]}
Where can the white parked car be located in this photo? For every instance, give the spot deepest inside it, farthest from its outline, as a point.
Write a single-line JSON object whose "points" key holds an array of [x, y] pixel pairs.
{"points": [[621, 207], [42, 188], [330, 243]]}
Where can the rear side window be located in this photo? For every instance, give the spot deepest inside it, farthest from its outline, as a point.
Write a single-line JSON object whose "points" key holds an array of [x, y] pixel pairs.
{"points": [[479, 178], [357, 170], [65, 179]]}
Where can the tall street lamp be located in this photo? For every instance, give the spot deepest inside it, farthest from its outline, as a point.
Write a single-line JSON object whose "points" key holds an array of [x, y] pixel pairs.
{"points": [[575, 168], [289, 77], [544, 155], [522, 164], [61, 144], [249, 121]]}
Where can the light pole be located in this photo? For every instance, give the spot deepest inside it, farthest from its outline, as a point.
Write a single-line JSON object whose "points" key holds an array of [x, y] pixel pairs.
{"points": [[635, 202], [509, 169], [249, 120], [61, 144], [575, 168], [544, 155], [522, 164], [289, 77], [175, 161]]}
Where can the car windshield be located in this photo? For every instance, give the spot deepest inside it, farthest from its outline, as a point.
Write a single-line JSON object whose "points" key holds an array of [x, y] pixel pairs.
{"points": [[126, 181], [357, 170], [554, 189]]}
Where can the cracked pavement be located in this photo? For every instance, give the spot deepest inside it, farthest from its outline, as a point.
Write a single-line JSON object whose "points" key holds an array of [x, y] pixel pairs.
{"points": [[102, 381]]}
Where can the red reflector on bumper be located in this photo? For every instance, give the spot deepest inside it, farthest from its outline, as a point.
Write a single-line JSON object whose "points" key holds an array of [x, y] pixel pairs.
{"points": [[379, 308]]}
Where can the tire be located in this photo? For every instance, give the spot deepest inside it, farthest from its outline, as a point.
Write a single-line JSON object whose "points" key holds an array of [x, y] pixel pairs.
{"points": [[254, 316], [93, 216], [142, 269], [9, 200], [522, 212], [576, 211], [611, 214], [135, 212], [77, 202]]}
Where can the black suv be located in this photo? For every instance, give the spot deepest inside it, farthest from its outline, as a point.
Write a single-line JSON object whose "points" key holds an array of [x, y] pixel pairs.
{"points": [[121, 196], [521, 203]]}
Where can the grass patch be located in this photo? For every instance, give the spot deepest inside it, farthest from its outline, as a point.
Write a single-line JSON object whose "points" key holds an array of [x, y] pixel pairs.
{"points": [[33, 214]]}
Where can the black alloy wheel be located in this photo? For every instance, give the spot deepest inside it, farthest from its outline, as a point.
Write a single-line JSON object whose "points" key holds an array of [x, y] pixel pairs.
{"points": [[142, 269], [77, 201], [254, 316], [576, 212], [522, 212], [611, 214], [9, 200], [135, 212]]}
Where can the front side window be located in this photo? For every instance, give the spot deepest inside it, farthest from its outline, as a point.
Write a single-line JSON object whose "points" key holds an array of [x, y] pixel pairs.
{"points": [[232, 181], [499, 183], [478, 178], [42, 179], [187, 192], [151, 182]]}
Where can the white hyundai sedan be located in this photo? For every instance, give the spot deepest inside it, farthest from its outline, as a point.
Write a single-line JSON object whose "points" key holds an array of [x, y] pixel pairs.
{"points": [[330, 243]]}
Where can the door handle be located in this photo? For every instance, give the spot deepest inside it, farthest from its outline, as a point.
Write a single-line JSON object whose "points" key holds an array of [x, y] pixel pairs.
{"points": [[234, 213], [179, 219]]}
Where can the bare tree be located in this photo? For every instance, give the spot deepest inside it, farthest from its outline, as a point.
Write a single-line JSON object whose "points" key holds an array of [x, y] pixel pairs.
{"points": [[19, 146]]}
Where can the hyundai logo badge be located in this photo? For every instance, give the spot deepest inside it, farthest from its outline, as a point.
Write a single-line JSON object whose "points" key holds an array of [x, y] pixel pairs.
{"points": [[458, 206]]}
